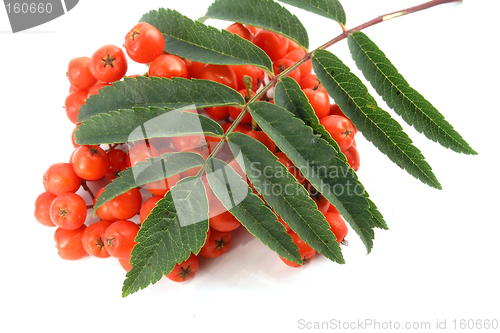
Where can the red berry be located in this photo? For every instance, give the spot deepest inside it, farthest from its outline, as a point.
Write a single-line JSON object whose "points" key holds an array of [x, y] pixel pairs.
{"points": [[168, 65], [147, 207], [108, 64], [119, 238], [240, 30], [68, 211], [69, 243], [126, 205], [73, 102], [337, 225], [217, 244], [283, 64], [220, 73], [42, 208], [306, 252], [353, 159], [185, 270], [306, 68], [79, 73], [61, 178], [319, 101], [341, 130], [275, 45], [93, 239], [144, 43], [90, 162]]}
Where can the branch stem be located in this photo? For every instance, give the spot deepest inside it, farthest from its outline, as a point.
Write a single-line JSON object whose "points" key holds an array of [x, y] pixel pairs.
{"points": [[308, 56]]}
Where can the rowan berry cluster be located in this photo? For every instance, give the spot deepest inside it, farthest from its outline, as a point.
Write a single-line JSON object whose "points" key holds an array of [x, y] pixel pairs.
{"points": [[62, 206]]}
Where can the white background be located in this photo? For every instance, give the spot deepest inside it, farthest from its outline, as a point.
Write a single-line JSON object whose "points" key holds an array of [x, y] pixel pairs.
{"points": [[439, 260]]}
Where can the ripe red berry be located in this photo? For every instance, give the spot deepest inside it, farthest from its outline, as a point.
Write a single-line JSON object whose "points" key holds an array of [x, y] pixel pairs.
{"points": [[306, 68], [68, 211], [275, 45], [218, 112], [125, 263], [119, 238], [283, 64], [217, 244], [73, 102], [319, 101], [69, 243], [108, 63], [126, 205], [185, 270], [79, 74], [90, 162], [147, 207], [240, 30], [140, 152], [95, 89], [93, 239], [353, 158], [42, 208], [220, 218], [103, 210], [256, 74], [311, 81], [220, 73], [341, 130], [144, 43], [117, 163], [306, 252], [194, 68], [168, 65], [61, 178], [337, 225]]}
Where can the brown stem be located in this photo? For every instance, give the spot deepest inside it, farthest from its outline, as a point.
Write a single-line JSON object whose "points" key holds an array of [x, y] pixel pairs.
{"points": [[86, 188], [383, 18], [343, 35]]}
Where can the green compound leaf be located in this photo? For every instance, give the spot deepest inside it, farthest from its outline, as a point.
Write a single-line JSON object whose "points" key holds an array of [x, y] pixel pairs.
{"points": [[151, 170], [289, 95], [289, 199], [265, 14], [402, 98], [331, 9], [321, 165], [144, 123], [375, 124], [176, 226], [175, 93], [198, 42], [250, 210]]}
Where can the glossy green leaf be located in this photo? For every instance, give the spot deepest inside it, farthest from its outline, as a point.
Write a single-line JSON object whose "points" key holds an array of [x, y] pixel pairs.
{"points": [[176, 226], [151, 170], [167, 93], [144, 123], [250, 210], [401, 97], [289, 199], [376, 125], [265, 14], [331, 9], [320, 164], [198, 42], [290, 96]]}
